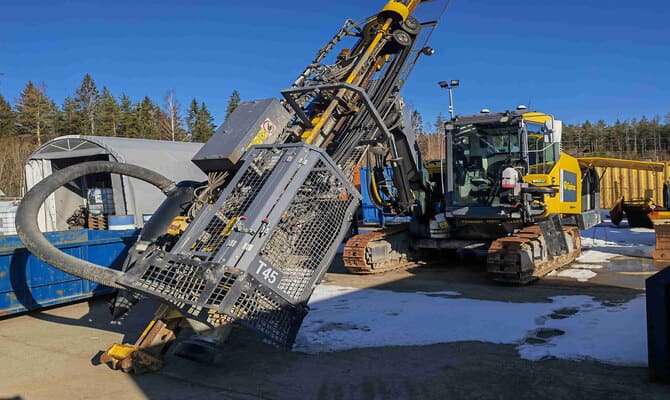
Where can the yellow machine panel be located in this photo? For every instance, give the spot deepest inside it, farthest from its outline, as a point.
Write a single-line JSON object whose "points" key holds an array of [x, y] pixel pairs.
{"points": [[566, 178], [537, 117]]}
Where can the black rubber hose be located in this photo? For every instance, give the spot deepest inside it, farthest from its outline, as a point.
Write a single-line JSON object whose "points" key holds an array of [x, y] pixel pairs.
{"points": [[36, 243]]}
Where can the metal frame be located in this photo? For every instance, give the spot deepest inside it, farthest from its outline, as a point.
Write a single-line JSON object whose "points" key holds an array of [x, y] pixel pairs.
{"points": [[367, 102], [217, 275]]}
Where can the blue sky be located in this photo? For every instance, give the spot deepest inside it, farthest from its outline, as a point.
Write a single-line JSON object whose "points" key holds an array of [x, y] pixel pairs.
{"points": [[577, 59]]}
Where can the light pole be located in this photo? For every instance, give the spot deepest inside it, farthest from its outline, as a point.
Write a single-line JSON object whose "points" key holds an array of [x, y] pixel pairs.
{"points": [[450, 85]]}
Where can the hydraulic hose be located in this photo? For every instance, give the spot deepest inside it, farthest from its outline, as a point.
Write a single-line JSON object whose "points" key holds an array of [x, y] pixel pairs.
{"points": [[36, 243]]}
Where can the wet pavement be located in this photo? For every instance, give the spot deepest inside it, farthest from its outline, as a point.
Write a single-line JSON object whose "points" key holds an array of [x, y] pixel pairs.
{"points": [[624, 272]]}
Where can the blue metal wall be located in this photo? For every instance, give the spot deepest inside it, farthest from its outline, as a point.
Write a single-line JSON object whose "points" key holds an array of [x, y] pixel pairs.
{"points": [[27, 283]]}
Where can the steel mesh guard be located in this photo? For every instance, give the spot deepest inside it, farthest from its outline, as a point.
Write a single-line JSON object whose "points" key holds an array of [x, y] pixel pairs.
{"points": [[217, 298], [265, 313], [237, 203], [255, 255], [307, 230]]}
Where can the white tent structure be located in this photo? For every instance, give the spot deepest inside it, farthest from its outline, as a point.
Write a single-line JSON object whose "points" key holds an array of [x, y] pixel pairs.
{"points": [[130, 196]]}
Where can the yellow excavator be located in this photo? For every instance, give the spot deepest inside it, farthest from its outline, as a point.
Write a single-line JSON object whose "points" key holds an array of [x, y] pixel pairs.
{"points": [[505, 186]]}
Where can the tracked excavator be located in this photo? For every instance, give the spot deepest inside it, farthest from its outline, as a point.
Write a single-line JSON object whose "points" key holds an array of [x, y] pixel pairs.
{"points": [[505, 187], [248, 246]]}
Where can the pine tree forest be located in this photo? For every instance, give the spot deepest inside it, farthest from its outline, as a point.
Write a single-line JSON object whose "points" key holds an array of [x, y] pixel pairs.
{"points": [[643, 139], [33, 118]]}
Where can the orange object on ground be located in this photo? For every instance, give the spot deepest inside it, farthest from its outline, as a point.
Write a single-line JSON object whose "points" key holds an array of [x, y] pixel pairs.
{"points": [[661, 220]]}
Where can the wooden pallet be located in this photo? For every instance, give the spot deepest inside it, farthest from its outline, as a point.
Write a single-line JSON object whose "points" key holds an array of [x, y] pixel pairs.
{"points": [[97, 222]]}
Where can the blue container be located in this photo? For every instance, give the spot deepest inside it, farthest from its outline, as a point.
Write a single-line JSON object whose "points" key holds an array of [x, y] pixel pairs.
{"points": [[27, 283], [658, 325]]}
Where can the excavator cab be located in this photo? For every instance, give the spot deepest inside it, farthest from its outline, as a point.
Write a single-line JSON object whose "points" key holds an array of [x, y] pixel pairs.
{"points": [[508, 183], [487, 157], [482, 147], [480, 153]]}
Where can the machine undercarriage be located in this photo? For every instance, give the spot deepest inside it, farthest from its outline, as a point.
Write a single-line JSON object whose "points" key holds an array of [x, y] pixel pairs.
{"points": [[519, 258]]}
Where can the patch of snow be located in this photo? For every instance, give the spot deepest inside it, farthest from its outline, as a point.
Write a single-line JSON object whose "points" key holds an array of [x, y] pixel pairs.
{"points": [[346, 318], [614, 335], [582, 275], [619, 241], [586, 266], [641, 230], [595, 256]]}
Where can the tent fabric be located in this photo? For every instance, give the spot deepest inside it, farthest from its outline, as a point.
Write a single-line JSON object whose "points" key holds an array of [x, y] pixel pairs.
{"points": [[36, 170], [131, 196]]}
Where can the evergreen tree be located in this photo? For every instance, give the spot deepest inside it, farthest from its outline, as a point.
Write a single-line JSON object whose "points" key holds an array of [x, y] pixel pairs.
{"points": [[109, 114], [146, 119], [633, 134], [439, 124], [35, 112], [600, 137], [88, 101], [417, 122], [7, 118], [127, 125], [69, 121], [163, 125], [655, 136], [618, 133], [233, 102], [192, 118], [204, 125], [664, 136]]}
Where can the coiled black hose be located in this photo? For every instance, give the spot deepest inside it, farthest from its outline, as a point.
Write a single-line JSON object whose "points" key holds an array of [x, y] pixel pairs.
{"points": [[36, 243]]}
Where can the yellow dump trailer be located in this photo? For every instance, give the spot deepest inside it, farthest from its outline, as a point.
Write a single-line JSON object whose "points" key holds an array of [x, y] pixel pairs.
{"points": [[629, 179]]}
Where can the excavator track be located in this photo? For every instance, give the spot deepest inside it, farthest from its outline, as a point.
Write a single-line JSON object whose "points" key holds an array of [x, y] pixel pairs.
{"points": [[527, 255], [376, 252]]}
